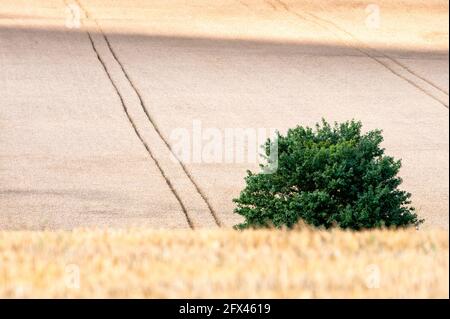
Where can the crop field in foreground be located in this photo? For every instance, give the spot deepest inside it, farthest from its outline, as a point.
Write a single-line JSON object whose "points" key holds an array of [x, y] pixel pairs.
{"points": [[224, 263]]}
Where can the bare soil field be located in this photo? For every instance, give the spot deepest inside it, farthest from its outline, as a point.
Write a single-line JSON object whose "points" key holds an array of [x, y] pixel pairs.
{"points": [[223, 263], [92, 203], [87, 113]]}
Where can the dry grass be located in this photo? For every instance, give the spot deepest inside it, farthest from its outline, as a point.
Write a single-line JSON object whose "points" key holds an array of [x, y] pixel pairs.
{"points": [[224, 263]]}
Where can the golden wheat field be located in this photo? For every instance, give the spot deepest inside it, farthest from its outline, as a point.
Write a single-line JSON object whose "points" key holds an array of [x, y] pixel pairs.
{"points": [[301, 263]]}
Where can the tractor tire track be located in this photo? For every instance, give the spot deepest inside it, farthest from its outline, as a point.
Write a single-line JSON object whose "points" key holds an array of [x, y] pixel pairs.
{"points": [[158, 165], [378, 52], [369, 52], [212, 212], [155, 126]]}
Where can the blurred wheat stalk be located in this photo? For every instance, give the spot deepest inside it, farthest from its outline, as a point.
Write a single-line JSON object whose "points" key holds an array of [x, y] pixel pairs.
{"points": [[224, 263]]}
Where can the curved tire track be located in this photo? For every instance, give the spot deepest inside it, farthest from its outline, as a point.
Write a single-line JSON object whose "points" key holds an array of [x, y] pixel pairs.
{"points": [[425, 86], [174, 192], [164, 172]]}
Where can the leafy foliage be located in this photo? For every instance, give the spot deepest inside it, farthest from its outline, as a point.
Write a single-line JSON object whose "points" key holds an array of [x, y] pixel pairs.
{"points": [[330, 176]]}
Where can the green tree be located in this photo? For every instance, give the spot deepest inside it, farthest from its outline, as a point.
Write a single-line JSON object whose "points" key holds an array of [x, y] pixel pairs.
{"points": [[330, 176]]}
